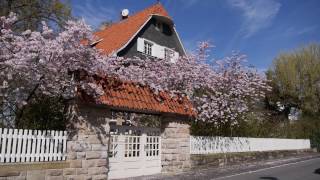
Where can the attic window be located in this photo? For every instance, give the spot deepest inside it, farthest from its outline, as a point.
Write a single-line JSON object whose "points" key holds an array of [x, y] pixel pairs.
{"points": [[147, 48]]}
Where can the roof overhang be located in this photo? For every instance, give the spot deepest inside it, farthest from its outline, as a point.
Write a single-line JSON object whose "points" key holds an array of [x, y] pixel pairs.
{"points": [[163, 19]]}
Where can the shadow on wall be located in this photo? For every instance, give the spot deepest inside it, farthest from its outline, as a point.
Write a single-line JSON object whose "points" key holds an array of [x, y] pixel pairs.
{"points": [[317, 171], [269, 178]]}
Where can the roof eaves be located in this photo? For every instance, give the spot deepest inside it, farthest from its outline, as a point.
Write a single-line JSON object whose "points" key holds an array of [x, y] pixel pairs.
{"points": [[96, 42], [184, 50], [132, 37]]}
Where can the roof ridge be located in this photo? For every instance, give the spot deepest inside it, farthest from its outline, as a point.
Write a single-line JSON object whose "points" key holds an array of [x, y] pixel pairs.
{"points": [[137, 13], [119, 33], [150, 7]]}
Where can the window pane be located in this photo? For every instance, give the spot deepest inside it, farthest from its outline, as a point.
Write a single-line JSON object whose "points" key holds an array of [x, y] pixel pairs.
{"points": [[168, 54], [147, 48]]}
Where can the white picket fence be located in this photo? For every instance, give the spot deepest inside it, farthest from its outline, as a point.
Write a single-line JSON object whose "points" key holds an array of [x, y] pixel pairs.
{"points": [[23, 145], [206, 145]]}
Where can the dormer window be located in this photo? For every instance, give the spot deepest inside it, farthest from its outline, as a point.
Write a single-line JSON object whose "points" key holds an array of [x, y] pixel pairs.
{"points": [[147, 48]]}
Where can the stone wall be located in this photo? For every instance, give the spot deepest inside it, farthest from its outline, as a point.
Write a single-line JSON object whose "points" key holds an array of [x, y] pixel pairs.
{"points": [[226, 159], [87, 151], [175, 146], [88, 144], [34, 171]]}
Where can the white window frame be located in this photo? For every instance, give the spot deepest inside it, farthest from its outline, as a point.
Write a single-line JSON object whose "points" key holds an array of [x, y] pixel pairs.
{"points": [[156, 50], [168, 54], [147, 49]]}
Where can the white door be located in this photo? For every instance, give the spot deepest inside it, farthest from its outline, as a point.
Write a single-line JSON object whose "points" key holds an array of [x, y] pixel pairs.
{"points": [[134, 155]]}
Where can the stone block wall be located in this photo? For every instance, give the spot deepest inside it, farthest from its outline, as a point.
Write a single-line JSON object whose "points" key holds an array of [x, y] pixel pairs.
{"points": [[227, 159], [88, 144], [175, 146], [88, 157], [34, 171]]}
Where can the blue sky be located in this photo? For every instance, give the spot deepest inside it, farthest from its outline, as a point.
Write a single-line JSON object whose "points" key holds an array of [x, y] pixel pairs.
{"points": [[259, 28]]}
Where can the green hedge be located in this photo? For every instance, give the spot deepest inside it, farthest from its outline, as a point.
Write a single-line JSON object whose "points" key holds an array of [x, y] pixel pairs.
{"points": [[315, 140]]}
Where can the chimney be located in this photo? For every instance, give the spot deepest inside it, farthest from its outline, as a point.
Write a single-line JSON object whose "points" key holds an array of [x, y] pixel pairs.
{"points": [[124, 14]]}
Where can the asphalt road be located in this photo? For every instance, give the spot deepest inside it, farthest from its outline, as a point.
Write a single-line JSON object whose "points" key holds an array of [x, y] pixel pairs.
{"points": [[304, 170]]}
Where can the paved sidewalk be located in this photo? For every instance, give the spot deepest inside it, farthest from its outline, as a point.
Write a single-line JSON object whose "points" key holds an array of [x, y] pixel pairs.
{"points": [[212, 173]]}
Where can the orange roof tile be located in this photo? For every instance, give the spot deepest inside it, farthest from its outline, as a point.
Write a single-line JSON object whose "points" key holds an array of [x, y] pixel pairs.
{"points": [[144, 100], [118, 34]]}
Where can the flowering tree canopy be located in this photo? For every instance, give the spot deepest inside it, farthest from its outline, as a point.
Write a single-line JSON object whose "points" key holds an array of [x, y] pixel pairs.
{"points": [[34, 62], [221, 93], [43, 62]]}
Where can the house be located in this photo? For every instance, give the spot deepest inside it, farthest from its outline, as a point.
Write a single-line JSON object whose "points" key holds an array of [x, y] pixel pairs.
{"points": [[148, 33], [133, 148]]}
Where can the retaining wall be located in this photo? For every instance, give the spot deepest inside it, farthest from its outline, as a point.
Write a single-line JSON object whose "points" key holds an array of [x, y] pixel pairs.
{"points": [[224, 159]]}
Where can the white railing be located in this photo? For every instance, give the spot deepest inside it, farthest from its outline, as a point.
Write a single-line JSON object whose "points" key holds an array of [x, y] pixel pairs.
{"points": [[206, 145], [23, 145]]}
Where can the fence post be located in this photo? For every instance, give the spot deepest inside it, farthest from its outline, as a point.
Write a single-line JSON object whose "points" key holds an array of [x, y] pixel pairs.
{"points": [[14, 145], [38, 146], [3, 144], [9, 137], [24, 145]]}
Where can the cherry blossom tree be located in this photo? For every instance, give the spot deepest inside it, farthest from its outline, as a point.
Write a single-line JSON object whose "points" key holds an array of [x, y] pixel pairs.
{"points": [[46, 63], [221, 93]]}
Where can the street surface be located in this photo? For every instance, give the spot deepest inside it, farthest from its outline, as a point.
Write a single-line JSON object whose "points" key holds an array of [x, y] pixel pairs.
{"points": [[306, 167], [305, 170]]}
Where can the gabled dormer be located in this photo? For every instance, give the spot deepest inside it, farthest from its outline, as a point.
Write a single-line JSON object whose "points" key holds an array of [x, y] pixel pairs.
{"points": [[148, 33]]}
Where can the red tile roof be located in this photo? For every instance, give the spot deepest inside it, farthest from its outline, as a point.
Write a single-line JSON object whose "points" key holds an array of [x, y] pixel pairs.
{"points": [[118, 34], [130, 96]]}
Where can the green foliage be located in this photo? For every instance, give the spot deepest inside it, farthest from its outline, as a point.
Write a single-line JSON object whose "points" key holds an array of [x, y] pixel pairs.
{"points": [[256, 124], [43, 113], [32, 12], [295, 79], [264, 123], [315, 140], [2, 125]]}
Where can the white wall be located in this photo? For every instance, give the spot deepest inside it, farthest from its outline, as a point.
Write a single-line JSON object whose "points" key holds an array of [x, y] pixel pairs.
{"points": [[205, 145]]}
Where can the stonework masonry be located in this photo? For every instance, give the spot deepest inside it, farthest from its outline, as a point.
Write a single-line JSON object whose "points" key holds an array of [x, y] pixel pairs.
{"points": [[88, 145], [228, 159], [87, 152], [33, 171], [175, 146]]}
